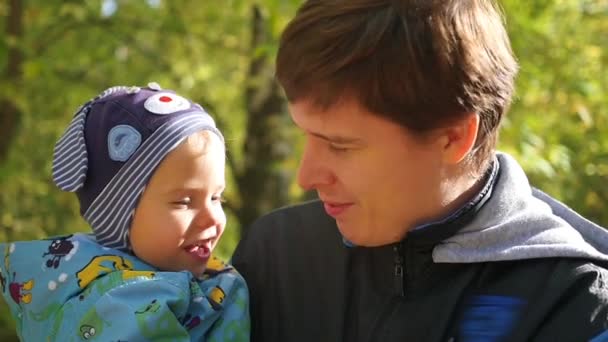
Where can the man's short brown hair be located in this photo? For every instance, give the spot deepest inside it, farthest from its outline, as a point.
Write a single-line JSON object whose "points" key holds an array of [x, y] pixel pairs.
{"points": [[420, 63]]}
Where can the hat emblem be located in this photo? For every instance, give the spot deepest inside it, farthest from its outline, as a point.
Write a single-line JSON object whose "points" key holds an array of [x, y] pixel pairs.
{"points": [[166, 103], [123, 140]]}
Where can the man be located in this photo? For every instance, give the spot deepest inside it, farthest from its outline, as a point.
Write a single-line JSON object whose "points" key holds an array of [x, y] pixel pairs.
{"points": [[423, 232]]}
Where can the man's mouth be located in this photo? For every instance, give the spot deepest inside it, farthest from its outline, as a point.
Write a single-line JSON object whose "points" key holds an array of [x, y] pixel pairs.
{"points": [[335, 209]]}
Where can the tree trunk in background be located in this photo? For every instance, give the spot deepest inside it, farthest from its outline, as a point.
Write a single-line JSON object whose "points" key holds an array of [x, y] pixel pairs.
{"points": [[10, 115], [262, 182]]}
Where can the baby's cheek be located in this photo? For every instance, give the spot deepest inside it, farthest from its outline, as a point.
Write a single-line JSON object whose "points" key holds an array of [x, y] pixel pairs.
{"points": [[220, 232]]}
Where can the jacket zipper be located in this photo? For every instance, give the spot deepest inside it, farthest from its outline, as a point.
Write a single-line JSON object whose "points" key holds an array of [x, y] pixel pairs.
{"points": [[399, 279], [399, 270]]}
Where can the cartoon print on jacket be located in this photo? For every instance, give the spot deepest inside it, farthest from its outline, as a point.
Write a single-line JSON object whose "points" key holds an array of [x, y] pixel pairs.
{"points": [[19, 291], [216, 297], [233, 330], [100, 265], [153, 321], [54, 312], [190, 322], [60, 248], [92, 324], [104, 284]]}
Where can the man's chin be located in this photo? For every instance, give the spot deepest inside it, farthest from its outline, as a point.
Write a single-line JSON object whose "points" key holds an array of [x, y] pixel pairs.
{"points": [[351, 234]]}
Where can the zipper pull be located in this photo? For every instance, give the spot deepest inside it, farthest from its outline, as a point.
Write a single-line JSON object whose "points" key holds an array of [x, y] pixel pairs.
{"points": [[398, 267]]}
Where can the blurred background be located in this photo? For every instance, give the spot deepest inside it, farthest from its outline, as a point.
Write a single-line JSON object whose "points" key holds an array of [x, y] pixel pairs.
{"points": [[55, 55]]}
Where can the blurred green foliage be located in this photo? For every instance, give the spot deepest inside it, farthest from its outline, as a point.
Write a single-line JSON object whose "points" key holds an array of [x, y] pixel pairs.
{"points": [[68, 51]]}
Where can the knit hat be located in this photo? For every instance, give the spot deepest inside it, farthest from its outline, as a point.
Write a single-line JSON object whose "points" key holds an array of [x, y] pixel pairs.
{"points": [[112, 147]]}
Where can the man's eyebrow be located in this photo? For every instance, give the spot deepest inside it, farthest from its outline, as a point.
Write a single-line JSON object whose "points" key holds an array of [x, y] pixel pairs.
{"points": [[336, 138]]}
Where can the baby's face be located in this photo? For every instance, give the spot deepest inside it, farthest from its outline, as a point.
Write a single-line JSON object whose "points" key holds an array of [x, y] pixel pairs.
{"points": [[180, 218]]}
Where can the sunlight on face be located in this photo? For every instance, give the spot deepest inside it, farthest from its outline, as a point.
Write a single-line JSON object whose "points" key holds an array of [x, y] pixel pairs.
{"points": [[374, 178], [179, 218]]}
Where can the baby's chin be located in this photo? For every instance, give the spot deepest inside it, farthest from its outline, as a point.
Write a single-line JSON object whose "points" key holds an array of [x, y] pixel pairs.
{"points": [[198, 272]]}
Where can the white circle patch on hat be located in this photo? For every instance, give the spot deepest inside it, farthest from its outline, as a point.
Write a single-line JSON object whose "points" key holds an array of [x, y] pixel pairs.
{"points": [[166, 103]]}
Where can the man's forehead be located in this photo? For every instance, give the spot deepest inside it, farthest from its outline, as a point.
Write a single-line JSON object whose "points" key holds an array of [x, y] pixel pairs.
{"points": [[334, 123], [311, 111]]}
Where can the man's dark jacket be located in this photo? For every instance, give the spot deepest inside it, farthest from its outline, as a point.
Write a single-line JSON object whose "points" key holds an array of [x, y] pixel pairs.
{"points": [[454, 280]]}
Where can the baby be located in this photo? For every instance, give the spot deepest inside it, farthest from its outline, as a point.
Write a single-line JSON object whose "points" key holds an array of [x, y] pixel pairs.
{"points": [[147, 166]]}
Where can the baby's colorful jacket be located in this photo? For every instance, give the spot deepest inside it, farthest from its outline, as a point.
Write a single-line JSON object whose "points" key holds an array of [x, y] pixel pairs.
{"points": [[70, 288]]}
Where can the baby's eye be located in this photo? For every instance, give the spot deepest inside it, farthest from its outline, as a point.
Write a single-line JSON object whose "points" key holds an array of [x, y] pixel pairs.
{"points": [[218, 198], [183, 201]]}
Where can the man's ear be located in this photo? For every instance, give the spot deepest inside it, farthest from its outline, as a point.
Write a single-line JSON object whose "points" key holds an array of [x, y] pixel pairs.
{"points": [[459, 139]]}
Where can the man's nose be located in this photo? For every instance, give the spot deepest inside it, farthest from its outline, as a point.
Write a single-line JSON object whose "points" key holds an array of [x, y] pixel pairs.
{"points": [[314, 170]]}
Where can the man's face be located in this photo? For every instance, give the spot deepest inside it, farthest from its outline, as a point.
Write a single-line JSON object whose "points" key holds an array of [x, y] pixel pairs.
{"points": [[377, 180]]}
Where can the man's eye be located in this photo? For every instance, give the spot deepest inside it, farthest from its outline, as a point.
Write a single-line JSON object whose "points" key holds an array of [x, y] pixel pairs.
{"points": [[337, 148]]}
